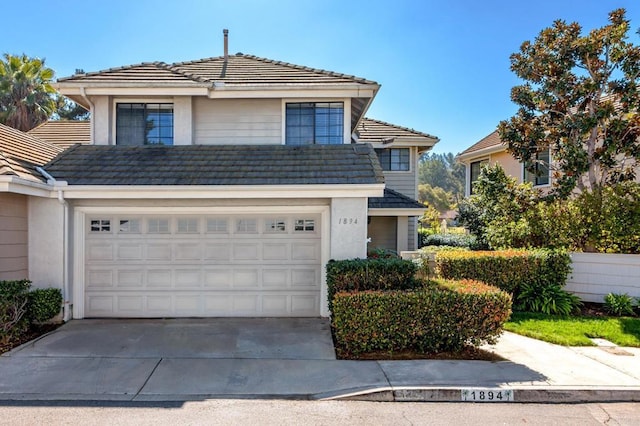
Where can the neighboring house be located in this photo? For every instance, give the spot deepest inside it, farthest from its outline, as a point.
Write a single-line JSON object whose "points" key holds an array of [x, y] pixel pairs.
{"points": [[20, 154], [490, 150], [219, 187], [64, 133]]}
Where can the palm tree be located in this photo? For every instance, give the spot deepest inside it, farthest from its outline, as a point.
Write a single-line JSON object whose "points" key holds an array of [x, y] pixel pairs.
{"points": [[25, 92]]}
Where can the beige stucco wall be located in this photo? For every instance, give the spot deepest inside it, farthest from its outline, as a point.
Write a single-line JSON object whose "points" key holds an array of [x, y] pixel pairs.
{"points": [[511, 166], [237, 121], [14, 235], [348, 228], [46, 242]]}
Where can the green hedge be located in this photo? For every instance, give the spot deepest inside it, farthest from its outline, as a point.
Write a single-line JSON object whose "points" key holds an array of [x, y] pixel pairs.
{"points": [[19, 306], [369, 274], [452, 240], [14, 298], [444, 316], [506, 269], [44, 304]]}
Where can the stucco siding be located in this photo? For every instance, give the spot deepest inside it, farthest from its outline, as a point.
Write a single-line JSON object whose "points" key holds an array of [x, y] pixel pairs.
{"points": [[240, 121], [46, 243], [511, 166], [14, 237]]}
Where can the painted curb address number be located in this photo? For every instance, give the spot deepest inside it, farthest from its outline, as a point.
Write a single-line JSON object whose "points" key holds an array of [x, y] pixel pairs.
{"points": [[487, 395]]}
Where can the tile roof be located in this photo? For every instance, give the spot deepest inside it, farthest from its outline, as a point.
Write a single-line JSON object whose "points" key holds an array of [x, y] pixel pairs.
{"points": [[217, 165], [239, 69], [370, 130], [489, 141], [394, 200], [64, 133], [20, 153]]}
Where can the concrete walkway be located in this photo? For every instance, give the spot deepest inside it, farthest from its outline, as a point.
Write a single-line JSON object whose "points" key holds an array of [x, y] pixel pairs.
{"points": [[194, 359]]}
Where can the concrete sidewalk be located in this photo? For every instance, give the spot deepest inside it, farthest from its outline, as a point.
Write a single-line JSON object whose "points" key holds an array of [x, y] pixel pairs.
{"points": [[135, 368]]}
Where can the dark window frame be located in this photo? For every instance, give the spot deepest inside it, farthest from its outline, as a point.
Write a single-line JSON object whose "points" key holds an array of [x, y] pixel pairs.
{"points": [[145, 123], [475, 167], [394, 159], [308, 123], [541, 174]]}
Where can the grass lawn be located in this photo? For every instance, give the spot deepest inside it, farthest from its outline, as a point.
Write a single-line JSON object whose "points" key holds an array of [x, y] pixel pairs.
{"points": [[575, 331]]}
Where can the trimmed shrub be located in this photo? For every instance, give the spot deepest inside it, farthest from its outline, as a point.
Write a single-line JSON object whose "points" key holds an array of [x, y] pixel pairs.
{"points": [[443, 315], [370, 274], [506, 269], [14, 297], [453, 240], [44, 304]]}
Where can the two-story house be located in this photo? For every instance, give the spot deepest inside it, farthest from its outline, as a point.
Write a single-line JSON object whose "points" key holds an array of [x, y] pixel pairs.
{"points": [[491, 150], [220, 187]]}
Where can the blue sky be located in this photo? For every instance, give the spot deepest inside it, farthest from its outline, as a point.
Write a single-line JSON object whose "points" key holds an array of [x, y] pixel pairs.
{"points": [[443, 65]]}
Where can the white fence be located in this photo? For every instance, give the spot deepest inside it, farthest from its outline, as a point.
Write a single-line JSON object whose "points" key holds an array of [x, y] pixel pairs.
{"points": [[595, 275]]}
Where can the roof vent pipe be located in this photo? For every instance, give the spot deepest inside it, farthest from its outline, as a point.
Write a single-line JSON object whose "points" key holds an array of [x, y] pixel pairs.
{"points": [[226, 44]]}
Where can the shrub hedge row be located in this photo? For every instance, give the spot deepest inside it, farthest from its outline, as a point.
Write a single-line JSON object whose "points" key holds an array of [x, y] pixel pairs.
{"points": [[442, 315], [506, 269], [452, 240], [370, 274], [19, 306]]}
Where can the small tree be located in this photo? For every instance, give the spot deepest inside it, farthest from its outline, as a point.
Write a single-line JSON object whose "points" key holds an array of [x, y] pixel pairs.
{"points": [[580, 100]]}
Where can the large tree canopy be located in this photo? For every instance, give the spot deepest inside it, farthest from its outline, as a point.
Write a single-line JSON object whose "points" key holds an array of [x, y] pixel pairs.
{"points": [[580, 101], [441, 180], [25, 92]]}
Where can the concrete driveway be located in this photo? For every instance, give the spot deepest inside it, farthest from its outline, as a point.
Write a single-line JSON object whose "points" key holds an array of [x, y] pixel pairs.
{"points": [[245, 338]]}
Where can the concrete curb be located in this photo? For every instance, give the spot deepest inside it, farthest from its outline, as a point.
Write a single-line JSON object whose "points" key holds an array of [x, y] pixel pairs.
{"points": [[546, 394]]}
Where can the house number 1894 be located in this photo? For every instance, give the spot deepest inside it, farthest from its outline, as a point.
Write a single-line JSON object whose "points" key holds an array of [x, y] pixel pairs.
{"points": [[347, 221]]}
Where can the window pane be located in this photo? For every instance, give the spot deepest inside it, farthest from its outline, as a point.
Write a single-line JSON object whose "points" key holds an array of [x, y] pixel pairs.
{"points": [[309, 123], [138, 124]]}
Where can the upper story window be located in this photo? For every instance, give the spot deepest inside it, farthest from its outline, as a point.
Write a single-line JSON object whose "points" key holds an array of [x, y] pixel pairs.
{"points": [[144, 124], [474, 172], [314, 123], [537, 172], [394, 159]]}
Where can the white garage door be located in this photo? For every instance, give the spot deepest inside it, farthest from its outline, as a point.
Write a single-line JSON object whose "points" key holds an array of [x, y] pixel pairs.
{"points": [[204, 265]]}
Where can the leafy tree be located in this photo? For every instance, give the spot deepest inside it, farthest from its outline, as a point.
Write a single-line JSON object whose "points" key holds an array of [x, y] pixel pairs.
{"points": [[444, 172], [25, 91], [580, 99], [435, 197]]}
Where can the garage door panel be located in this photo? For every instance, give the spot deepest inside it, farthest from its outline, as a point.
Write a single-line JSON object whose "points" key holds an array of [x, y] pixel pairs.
{"points": [[188, 278], [132, 278], [202, 266], [159, 251], [305, 250], [246, 251], [130, 251], [159, 304], [100, 251], [159, 278], [275, 251], [130, 303], [99, 279], [246, 278], [275, 278], [217, 251], [305, 278], [188, 251]]}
